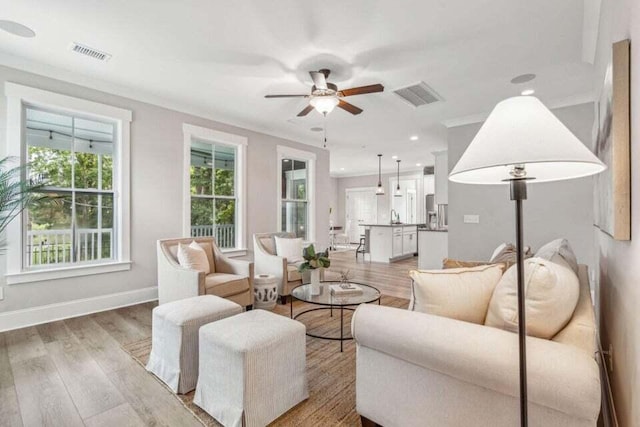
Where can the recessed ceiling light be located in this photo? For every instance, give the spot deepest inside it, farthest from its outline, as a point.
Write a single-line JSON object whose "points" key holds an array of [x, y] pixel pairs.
{"points": [[414, 137], [394, 157], [523, 78], [527, 92], [16, 29], [316, 129], [418, 164]]}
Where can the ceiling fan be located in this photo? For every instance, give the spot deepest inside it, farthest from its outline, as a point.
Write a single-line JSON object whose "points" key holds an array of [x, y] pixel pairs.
{"points": [[325, 96]]}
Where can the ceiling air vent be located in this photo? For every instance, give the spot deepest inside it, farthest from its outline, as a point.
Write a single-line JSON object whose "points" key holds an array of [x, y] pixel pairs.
{"points": [[428, 170], [418, 95], [90, 52]]}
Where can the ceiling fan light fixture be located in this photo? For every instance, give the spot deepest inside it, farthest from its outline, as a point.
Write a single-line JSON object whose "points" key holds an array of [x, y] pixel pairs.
{"points": [[324, 104]]}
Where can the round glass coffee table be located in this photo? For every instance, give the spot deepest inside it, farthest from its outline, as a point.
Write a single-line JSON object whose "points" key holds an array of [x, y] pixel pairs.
{"points": [[327, 301]]}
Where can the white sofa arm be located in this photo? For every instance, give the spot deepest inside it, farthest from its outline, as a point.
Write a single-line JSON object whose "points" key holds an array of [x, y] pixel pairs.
{"points": [[559, 376], [176, 282], [265, 263]]}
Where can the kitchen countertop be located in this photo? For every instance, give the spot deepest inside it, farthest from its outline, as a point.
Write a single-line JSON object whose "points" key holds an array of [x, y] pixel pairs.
{"points": [[441, 230], [391, 225]]}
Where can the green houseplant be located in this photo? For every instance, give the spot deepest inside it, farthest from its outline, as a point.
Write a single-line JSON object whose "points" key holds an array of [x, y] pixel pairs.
{"points": [[313, 259], [15, 193]]}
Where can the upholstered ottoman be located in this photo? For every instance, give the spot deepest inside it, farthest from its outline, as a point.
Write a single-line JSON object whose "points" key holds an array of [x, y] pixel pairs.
{"points": [[252, 368], [174, 343]]}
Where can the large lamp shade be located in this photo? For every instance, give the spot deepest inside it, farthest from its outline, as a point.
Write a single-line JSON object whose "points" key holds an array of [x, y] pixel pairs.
{"points": [[521, 131]]}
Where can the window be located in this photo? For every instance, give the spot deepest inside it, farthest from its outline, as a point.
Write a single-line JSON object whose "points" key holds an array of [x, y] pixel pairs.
{"points": [[215, 165], [296, 182], [74, 221], [81, 148]]}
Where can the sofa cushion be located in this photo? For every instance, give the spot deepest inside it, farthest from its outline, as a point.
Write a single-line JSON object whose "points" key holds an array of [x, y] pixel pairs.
{"points": [[551, 295], [556, 249], [457, 293], [292, 272], [506, 253], [193, 256], [224, 285], [289, 248]]}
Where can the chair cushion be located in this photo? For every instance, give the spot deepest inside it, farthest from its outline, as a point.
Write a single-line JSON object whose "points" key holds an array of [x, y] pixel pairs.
{"points": [[556, 249], [457, 293], [268, 244], [291, 249], [224, 285], [551, 292], [292, 272], [194, 257]]}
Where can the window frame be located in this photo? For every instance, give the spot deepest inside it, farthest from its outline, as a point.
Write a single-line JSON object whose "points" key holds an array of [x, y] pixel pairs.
{"points": [[19, 98], [286, 152], [215, 137]]}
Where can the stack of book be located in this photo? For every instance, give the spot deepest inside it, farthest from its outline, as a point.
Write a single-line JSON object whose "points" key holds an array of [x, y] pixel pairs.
{"points": [[348, 289]]}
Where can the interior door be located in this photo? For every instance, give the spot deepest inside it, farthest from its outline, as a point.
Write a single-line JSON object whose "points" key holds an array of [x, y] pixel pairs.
{"points": [[361, 208]]}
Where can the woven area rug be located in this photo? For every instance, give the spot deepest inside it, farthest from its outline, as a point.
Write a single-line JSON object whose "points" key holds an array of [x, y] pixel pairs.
{"points": [[331, 374]]}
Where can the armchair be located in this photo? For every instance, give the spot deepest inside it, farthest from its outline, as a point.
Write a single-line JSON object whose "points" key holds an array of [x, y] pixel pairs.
{"points": [[267, 262], [229, 278], [415, 369]]}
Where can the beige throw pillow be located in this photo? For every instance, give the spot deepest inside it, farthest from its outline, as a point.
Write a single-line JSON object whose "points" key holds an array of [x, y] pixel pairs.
{"points": [[457, 293], [193, 257], [551, 295], [508, 254]]}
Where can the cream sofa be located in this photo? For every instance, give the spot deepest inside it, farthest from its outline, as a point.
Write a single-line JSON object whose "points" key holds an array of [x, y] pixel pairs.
{"points": [[230, 279], [416, 369]]}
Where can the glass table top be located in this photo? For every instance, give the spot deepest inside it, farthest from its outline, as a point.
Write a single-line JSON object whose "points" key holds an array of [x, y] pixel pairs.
{"points": [[303, 293]]}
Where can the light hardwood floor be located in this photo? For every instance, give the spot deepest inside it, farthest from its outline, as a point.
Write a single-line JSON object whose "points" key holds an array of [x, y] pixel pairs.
{"points": [[74, 372]]}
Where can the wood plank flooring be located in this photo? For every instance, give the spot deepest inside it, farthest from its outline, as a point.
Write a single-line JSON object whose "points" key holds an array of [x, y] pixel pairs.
{"points": [[75, 372]]}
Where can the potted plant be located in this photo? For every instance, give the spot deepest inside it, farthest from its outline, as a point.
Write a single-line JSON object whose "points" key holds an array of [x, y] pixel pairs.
{"points": [[314, 261], [15, 193]]}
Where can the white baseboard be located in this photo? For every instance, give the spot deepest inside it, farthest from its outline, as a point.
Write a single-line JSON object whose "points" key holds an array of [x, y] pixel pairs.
{"points": [[48, 313]]}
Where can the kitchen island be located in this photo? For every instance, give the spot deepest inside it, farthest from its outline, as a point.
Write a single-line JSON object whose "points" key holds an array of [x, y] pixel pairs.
{"points": [[433, 248], [391, 242]]}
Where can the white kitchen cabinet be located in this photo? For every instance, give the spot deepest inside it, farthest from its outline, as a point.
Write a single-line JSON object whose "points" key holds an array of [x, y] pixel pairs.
{"points": [[389, 243], [397, 245], [409, 243]]}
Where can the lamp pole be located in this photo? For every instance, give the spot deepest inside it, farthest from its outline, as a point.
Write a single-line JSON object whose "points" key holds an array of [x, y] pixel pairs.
{"points": [[518, 194]]}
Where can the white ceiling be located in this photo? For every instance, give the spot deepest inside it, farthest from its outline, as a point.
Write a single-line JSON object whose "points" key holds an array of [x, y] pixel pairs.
{"points": [[219, 59]]}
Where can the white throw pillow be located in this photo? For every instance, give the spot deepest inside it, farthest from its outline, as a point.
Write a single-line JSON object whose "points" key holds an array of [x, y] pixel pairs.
{"points": [[457, 293], [193, 257], [559, 248], [551, 295], [289, 248]]}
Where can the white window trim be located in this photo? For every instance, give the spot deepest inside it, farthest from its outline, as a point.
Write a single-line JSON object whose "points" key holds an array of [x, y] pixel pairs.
{"points": [[286, 152], [17, 97], [217, 137]]}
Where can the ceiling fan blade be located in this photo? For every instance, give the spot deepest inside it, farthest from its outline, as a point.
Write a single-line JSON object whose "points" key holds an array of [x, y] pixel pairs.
{"points": [[286, 96], [361, 90], [306, 111], [349, 107], [319, 79]]}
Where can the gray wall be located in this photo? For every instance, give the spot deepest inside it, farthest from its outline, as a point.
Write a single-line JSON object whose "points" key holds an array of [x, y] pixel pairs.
{"points": [[156, 191], [552, 210], [618, 290]]}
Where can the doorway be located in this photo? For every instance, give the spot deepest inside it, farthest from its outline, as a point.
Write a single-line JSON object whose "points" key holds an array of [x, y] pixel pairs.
{"points": [[361, 207]]}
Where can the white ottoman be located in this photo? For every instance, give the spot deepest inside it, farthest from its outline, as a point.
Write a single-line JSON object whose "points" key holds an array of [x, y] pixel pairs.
{"points": [[252, 368], [174, 343], [265, 291]]}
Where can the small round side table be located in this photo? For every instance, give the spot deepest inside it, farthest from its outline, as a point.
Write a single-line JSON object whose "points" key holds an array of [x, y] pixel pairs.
{"points": [[265, 291]]}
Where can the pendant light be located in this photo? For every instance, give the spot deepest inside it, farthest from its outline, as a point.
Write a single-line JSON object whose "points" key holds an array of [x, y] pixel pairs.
{"points": [[398, 193], [380, 189]]}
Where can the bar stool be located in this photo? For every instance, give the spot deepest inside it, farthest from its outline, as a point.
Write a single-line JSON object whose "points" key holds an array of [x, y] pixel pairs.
{"points": [[361, 249]]}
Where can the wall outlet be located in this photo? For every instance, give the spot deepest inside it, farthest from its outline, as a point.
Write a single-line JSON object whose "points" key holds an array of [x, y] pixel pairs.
{"points": [[472, 219]]}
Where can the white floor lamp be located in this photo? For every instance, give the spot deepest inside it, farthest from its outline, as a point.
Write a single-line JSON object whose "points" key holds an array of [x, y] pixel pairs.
{"points": [[522, 141]]}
